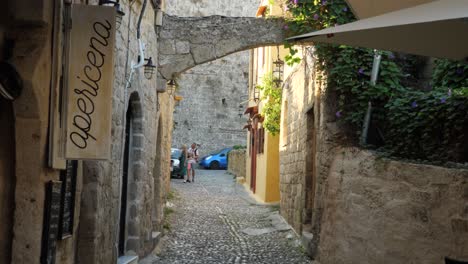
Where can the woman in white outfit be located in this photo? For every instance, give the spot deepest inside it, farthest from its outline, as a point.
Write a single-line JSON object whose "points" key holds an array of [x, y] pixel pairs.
{"points": [[192, 160]]}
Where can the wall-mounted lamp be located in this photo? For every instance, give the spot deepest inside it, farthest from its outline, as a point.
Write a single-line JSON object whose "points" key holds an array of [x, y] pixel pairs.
{"points": [[256, 95], [11, 84], [149, 68], [118, 9], [278, 72], [278, 69], [171, 86]]}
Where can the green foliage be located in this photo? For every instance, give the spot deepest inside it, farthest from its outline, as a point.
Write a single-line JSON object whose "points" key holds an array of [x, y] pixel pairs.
{"points": [[167, 218], [271, 110], [450, 74], [172, 195], [349, 74], [311, 15], [430, 125], [239, 147]]}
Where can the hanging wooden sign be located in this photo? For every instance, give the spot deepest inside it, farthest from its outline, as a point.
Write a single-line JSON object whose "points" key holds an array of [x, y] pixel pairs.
{"points": [[89, 82]]}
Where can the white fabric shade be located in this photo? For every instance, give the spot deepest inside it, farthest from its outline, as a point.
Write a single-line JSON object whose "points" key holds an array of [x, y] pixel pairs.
{"points": [[369, 8], [435, 29]]}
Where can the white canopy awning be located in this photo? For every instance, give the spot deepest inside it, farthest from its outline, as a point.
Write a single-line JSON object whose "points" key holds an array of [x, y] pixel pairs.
{"points": [[435, 29], [369, 8]]}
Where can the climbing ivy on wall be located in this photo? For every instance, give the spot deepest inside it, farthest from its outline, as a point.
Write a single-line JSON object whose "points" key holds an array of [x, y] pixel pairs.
{"points": [[429, 124], [271, 110]]}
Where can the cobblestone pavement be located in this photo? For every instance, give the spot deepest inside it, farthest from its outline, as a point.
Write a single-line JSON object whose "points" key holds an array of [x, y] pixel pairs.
{"points": [[209, 218]]}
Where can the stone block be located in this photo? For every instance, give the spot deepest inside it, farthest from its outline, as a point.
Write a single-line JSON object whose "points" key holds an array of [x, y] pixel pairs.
{"points": [[175, 64], [133, 244], [203, 52], [182, 47], [133, 228], [167, 47], [459, 226], [138, 171], [421, 197], [308, 243]]}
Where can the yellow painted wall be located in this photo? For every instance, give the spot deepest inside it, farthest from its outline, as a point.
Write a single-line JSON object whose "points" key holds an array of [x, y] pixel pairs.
{"points": [[267, 171], [272, 176], [261, 190]]}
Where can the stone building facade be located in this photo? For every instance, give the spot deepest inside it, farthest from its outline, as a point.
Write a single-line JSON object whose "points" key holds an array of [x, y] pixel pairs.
{"points": [[352, 206], [108, 221], [212, 92], [145, 116]]}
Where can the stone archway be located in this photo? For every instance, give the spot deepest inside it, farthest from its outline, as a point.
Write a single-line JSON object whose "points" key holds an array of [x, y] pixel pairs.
{"points": [[7, 179], [189, 41], [131, 178]]}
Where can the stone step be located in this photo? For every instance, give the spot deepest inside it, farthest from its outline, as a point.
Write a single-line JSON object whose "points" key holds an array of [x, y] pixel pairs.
{"points": [[240, 180], [127, 260]]}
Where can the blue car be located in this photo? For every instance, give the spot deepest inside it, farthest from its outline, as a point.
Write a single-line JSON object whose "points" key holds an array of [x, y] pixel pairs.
{"points": [[217, 160]]}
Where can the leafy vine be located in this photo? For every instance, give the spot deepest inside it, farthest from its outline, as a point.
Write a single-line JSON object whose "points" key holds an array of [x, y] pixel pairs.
{"points": [[430, 124], [271, 110]]}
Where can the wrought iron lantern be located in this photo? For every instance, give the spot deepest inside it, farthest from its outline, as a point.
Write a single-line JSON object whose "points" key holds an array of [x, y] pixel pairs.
{"points": [[256, 95], [118, 9], [149, 68], [171, 86], [278, 72], [278, 69]]}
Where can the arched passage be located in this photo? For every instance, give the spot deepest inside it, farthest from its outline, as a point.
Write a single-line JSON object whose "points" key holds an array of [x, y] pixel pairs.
{"points": [[7, 179], [131, 177], [189, 41]]}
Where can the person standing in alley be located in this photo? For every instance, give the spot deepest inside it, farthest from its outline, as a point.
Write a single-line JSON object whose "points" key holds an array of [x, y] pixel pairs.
{"points": [[193, 159], [183, 162]]}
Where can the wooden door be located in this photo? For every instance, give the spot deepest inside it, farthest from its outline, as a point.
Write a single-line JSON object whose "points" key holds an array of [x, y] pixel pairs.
{"points": [[124, 190], [7, 179], [254, 146], [310, 169]]}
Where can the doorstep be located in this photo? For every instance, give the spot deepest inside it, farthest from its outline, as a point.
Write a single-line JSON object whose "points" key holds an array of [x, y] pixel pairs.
{"points": [[127, 260]]}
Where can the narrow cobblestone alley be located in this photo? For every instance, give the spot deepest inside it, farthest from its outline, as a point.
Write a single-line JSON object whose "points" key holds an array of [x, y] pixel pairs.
{"points": [[215, 221]]}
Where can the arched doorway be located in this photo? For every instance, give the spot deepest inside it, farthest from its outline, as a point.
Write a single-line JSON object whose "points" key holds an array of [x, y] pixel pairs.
{"points": [[133, 142], [7, 179]]}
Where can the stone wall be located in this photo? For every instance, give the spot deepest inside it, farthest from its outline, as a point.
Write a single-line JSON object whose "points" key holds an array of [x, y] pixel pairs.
{"points": [[29, 27], [385, 211], [149, 114], [236, 162], [353, 207], [298, 102], [200, 8], [209, 111]]}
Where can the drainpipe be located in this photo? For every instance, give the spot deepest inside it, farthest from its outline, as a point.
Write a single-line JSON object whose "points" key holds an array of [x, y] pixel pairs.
{"points": [[141, 46], [373, 80]]}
